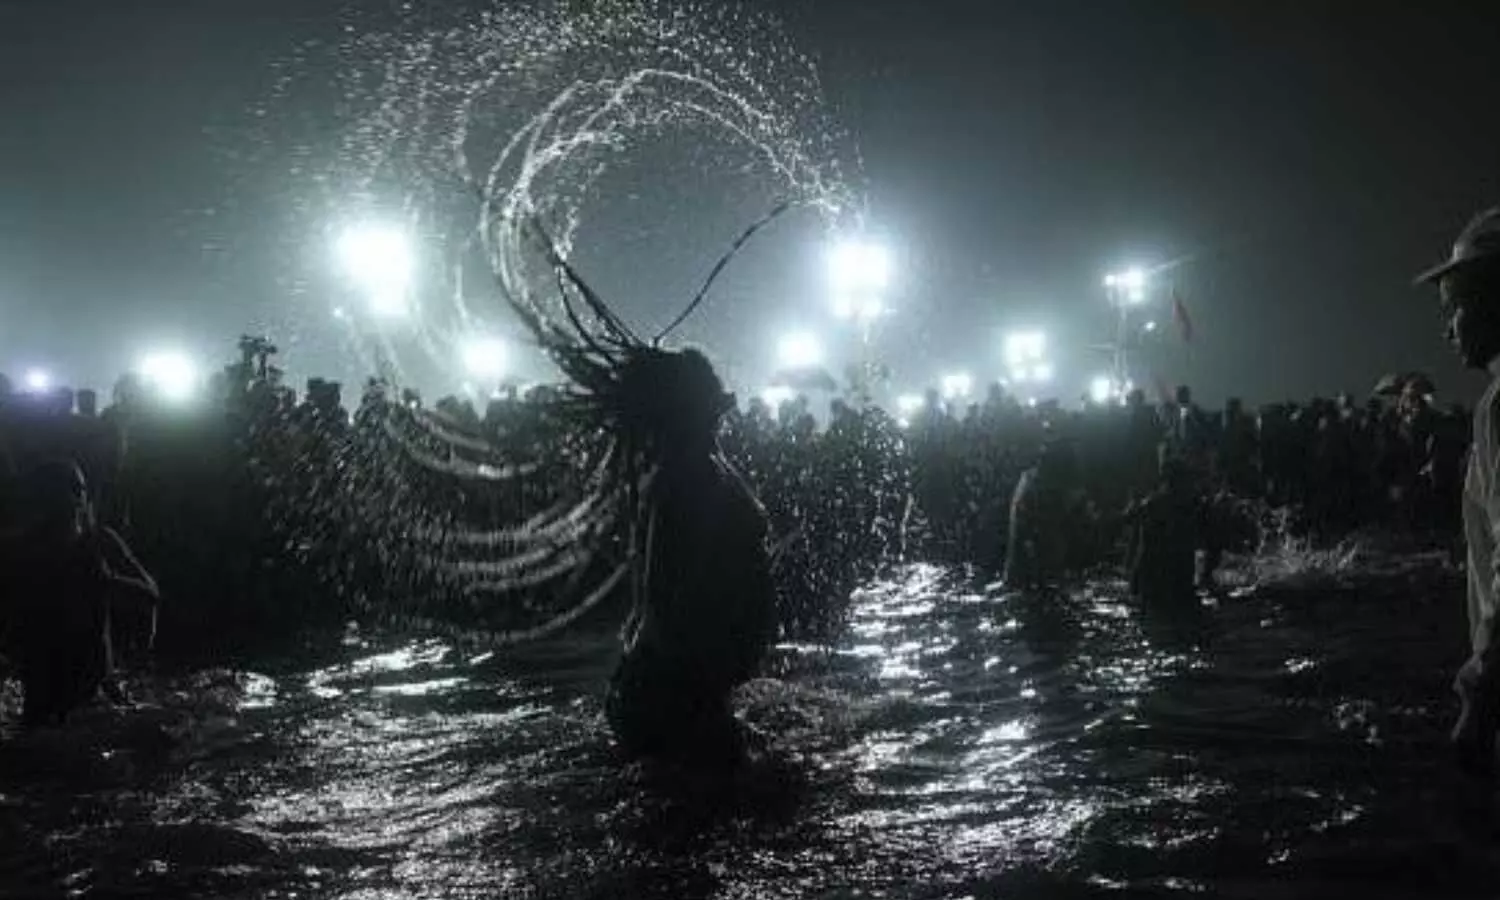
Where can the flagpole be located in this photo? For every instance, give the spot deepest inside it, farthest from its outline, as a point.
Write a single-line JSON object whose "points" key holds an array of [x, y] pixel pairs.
{"points": [[1184, 326], [1121, 363]]}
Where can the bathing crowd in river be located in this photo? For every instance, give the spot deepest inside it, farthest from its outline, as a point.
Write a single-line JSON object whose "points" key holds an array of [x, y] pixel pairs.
{"points": [[709, 528]]}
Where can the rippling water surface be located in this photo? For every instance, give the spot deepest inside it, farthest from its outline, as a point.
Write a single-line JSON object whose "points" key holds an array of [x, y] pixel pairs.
{"points": [[957, 743]]}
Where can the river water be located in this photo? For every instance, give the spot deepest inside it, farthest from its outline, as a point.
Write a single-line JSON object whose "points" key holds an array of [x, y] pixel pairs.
{"points": [[957, 743]]}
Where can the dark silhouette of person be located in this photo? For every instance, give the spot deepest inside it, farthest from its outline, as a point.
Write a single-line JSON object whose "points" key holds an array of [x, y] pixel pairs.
{"points": [[1238, 451], [1469, 291], [706, 616], [1143, 435], [63, 574], [1043, 515], [1168, 524]]}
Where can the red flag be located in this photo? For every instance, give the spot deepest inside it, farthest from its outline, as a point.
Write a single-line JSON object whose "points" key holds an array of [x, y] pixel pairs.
{"points": [[1184, 321]]}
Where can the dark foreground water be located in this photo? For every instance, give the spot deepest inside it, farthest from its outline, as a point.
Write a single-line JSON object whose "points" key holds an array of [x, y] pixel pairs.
{"points": [[956, 745]]}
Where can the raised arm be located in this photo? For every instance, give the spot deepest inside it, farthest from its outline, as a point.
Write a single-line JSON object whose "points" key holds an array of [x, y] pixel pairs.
{"points": [[125, 571]]}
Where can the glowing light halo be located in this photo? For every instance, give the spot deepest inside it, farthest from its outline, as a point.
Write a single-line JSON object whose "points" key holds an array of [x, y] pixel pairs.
{"points": [[484, 357], [37, 380], [957, 386], [380, 260], [799, 350], [171, 374]]}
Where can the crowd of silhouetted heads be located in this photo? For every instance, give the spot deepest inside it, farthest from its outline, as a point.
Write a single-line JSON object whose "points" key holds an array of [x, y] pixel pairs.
{"points": [[266, 515]]}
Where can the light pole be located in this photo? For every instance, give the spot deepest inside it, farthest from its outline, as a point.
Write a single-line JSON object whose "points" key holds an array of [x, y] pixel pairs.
{"points": [[860, 273], [1026, 358], [1126, 289]]}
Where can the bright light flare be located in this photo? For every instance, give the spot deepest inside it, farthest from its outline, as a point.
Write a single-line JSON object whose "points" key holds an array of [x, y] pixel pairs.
{"points": [[860, 273], [1150, 327], [484, 357], [38, 380], [910, 404], [379, 259], [171, 375], [1042, 374], [389, 305], [957, 385], [1102, 389], [862, 309], [777, 395], [799, 350], [1022, 347], [1131, 283], [1128, 279], [858, 266]]}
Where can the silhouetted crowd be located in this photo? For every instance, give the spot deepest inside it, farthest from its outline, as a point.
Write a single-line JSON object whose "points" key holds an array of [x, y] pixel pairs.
{"points": [[259, 510]]}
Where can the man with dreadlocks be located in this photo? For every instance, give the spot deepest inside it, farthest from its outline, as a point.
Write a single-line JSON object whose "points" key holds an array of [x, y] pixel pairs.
{"points": [[705, 611], [699, 571]]}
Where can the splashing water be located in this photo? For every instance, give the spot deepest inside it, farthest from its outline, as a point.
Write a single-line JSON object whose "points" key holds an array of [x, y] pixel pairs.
{"points": [[1283, 556], [552, 118], [552, 113]]}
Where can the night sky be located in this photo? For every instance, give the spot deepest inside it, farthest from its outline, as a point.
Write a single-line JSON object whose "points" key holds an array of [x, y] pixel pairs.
{"points": [[1301, 160]]}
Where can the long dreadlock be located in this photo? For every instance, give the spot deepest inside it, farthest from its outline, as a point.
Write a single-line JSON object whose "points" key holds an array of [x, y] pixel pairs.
{"points": [[635, 397]]}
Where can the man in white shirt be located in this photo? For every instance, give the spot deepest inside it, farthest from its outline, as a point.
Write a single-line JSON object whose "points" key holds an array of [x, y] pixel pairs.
{"points": [[1469, 284]]}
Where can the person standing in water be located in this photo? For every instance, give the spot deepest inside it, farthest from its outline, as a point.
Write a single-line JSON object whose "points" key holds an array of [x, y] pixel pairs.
{"points": [[63, 574], [1167, 531], [1469, 290], [705, 615], [1045, 509]]}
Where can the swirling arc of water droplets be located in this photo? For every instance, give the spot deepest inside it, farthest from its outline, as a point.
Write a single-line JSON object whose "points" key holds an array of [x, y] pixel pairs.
{"points": [[551, 142], [448, 83]]}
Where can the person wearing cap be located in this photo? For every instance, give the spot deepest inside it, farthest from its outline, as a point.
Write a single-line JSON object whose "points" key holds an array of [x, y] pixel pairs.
{"points": [[1168, 527], [1469, 287]]}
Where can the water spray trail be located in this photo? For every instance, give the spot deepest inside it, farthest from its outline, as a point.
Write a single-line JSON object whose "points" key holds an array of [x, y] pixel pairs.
{"points": [[527, 110]]}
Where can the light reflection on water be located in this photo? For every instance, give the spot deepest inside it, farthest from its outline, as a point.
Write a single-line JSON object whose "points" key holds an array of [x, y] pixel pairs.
{"points": [[959, 743]]}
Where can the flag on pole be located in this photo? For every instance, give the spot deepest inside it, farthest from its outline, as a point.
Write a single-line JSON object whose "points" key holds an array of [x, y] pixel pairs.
{"points": [[1184, 321]]}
